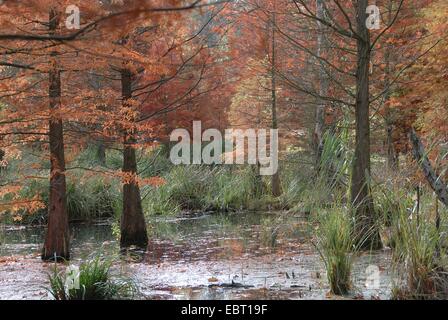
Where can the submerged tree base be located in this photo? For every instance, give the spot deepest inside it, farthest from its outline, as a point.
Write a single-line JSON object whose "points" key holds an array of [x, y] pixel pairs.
{"points": [[139, 241]]}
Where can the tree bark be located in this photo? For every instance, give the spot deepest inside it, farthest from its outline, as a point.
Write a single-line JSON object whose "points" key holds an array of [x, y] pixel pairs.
{"points": [[133, 225], [275, 179], [365, 222], [2, 154], [436, 183], [319, 128], [257, 181], [57, 239], [392, 154], [101, 153]]}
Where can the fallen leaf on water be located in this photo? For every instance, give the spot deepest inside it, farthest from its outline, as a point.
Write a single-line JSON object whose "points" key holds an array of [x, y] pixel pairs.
{"points": [[213, 279]]}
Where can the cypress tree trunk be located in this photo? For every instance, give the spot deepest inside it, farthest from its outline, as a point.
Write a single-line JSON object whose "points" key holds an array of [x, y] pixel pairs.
{"points": [[101, 153], [133, 226], [276, 185], [56, 246], [319, 128], [392, 154], [2, 154], [258, 181], [365, 221]]}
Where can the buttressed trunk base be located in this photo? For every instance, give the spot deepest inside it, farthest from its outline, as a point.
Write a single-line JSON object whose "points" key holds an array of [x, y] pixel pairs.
{"points": [[133, 225]]}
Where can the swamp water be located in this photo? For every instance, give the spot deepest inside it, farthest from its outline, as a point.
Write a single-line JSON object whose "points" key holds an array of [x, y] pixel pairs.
{"points": [[220, 256]]}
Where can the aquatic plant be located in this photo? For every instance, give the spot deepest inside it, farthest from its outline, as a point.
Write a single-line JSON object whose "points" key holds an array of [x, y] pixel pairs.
{"points": [[200, 188], [93, 282], [420, 262], [336, 246]]}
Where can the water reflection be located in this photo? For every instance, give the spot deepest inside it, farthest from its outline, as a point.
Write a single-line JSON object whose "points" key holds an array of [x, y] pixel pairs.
{"points": [[85, 240], [222, 256]]}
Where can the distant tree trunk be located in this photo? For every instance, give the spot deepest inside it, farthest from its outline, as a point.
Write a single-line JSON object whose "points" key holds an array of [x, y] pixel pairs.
{"points": [[133, 225], [276, 185], [365, 221], [392, 154], [2, 154], [56, 246], [319, 128], [436, 183], [101, 153], [258, 181], [100, 144]]}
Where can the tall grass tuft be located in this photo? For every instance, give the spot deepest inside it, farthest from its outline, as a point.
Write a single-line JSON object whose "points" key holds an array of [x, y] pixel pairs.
{"points": [[323, 183], [336, 246], [200, 188], [335, 161], [88, 196], [95, 283], [231, 190], [422, 265]]}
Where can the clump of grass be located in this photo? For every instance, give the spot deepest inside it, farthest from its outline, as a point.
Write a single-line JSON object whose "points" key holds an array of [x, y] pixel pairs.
{"points": [[322, 183], [335, 161], [183, 191], [231, 190], [409, 228], [88, 196], [201, 188], [95, 283], [419, 259], [87, 199], [336, 246], [91, 198]]}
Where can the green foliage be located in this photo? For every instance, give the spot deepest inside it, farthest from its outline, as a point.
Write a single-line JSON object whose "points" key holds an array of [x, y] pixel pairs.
{"points": [[88, 196], [92, 198], [420, 261], [230, 189], [95, 283], [336, 246], [308, 187], [150, 163], [87, 199], [295, 181], [306, 191], [183, 191], [197, 188], [336, 158]]}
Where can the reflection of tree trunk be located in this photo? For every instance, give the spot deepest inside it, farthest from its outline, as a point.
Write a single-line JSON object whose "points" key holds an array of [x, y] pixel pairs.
{"points": [[436, 183], [276, 185], [133, 226], [365, 224], [57, 236], [319, 128]]}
